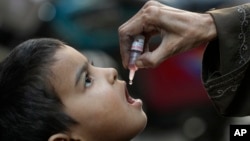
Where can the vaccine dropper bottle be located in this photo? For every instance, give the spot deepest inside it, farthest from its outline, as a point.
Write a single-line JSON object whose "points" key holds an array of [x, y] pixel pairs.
{"points": [[136, 50]]}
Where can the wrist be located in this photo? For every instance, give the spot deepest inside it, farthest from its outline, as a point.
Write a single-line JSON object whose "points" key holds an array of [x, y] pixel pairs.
{"points": [[210, 27]]}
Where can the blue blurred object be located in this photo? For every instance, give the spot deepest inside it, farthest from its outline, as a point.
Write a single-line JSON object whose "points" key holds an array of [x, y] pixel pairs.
{"points": [[93, 24], [194, 5], [90, 24]]}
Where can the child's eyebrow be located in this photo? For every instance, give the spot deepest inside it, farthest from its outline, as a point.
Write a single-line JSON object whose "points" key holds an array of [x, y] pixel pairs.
{"points": [[80, 71]]}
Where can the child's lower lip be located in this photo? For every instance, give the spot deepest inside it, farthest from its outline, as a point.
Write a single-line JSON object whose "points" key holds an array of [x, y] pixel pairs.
{"points": [[132, 101], [137, 103]]}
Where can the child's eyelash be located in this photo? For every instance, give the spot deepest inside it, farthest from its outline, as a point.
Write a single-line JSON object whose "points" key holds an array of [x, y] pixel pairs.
{"points": [[88, 80], [87, 77]]}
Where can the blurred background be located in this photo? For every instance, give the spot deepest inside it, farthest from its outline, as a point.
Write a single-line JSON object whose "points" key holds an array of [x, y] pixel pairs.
{"points": [[175, 101]]}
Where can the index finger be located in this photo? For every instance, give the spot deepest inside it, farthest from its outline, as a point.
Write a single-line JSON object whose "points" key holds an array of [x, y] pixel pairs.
{"points": [[125, 43], [127, 32]]}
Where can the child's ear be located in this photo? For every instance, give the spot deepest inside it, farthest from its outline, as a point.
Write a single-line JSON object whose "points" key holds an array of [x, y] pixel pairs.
{"points": [[59, 137]]}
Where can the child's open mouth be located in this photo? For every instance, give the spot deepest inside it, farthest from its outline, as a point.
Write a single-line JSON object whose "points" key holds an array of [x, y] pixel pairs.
{"points": [[132, 101], [129, 98]]}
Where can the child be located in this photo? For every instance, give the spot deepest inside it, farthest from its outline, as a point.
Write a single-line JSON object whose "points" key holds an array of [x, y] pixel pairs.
{"points": [[51, 92]]}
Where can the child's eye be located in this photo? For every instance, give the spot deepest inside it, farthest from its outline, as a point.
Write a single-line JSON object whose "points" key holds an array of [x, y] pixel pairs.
{"points": [[88, 80]]}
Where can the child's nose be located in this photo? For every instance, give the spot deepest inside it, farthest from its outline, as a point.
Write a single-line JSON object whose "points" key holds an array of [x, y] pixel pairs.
{"points": [[112, 75]]}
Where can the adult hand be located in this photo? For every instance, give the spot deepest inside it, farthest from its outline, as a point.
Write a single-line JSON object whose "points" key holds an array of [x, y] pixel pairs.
{"points": [[180, 31]]}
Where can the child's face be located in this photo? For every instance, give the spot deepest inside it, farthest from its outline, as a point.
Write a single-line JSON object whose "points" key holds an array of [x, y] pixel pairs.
{"points": [[95, 98]]}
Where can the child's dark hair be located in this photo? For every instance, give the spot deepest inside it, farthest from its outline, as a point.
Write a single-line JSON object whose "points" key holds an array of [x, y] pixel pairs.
{"points": [[29, 107]]}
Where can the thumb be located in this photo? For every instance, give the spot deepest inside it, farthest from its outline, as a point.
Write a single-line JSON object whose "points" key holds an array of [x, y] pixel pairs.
{"points": [[154, 58], [147, 60]]}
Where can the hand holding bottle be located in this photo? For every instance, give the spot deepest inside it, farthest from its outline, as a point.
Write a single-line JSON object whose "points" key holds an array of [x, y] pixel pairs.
{"points": [[180, 31]]}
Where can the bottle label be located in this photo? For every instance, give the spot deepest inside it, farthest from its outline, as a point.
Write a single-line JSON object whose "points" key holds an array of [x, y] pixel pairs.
{"points": [[137, 45]]}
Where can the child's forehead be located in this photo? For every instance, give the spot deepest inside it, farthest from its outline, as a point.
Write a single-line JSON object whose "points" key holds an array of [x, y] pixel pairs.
{"points": [[65, 69], [69, 53], [68, 61]]}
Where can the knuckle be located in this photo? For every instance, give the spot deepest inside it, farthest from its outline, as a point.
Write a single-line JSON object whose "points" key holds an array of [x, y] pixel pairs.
{"points": [[150, 13], [151, 10], [150, 3], [121, 30]]}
